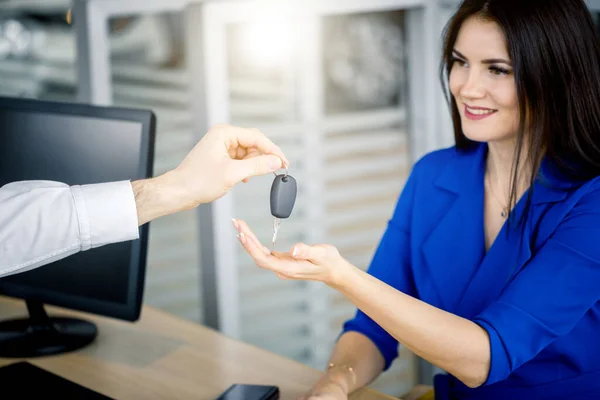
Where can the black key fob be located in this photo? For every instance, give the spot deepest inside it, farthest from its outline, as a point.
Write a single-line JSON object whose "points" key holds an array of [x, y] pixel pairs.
{"points": [[283, 196]]}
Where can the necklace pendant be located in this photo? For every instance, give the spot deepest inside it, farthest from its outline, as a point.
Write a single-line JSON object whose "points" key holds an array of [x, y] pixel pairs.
{"points": [[503, 214]]}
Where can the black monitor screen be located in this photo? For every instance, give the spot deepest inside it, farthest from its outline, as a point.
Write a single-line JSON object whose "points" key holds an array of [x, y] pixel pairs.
{"points": [[77, 147]]}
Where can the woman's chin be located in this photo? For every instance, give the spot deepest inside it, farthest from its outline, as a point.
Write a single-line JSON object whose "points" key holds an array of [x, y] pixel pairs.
{"points": [[480, 135]]}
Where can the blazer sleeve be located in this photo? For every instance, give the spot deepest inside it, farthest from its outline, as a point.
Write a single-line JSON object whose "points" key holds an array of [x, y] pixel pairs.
{"points": [[550, 294], [390, 264]]}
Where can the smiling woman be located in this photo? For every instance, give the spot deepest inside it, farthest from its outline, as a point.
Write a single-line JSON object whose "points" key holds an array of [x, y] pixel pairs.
{"points": [[483, 87], [489, 266]]}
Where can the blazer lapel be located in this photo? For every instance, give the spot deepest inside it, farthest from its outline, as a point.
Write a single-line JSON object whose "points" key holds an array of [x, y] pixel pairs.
{"points": [[454, 246], [507, 255], [514, 246]]}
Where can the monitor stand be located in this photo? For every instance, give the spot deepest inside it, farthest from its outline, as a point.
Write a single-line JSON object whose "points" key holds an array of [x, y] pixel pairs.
{"points": [[40, 335]]}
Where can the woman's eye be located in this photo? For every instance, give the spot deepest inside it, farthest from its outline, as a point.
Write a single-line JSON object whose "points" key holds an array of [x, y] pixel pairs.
{"points": [[499, 71], [459, 62]]}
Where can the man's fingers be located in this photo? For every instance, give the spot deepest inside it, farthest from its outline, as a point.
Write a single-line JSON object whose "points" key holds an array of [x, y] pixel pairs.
{"points": [[252, 138], [255, 166], [250, 154]]}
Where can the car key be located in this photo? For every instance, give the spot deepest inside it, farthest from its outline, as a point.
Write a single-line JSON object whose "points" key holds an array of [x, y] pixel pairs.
{"points": [[283, 197]]}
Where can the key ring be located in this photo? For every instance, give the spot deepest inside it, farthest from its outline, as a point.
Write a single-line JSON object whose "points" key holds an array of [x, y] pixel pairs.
{"points": [[286, 171]]}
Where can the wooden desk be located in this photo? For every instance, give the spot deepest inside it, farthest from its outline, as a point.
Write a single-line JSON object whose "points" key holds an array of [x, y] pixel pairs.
{"points": [[164, 357]]}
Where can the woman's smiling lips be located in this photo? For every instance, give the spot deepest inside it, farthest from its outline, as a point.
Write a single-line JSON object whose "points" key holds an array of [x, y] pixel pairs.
{"points": [[478, 113]]}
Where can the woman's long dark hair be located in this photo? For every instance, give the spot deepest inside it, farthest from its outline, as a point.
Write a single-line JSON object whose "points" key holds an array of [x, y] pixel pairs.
{"points": [[555, 55]]}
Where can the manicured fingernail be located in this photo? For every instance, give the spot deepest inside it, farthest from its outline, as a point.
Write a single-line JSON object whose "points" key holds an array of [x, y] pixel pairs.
{"points": [[242, 237], [295, 252], [235, 224]]}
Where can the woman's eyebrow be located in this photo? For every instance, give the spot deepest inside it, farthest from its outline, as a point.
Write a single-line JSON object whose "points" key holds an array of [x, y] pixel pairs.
{"points": [[487, 61], [458, 53]]}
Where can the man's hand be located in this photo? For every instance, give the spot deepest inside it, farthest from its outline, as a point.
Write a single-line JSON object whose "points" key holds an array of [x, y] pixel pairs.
{"points": [[225, 156]]}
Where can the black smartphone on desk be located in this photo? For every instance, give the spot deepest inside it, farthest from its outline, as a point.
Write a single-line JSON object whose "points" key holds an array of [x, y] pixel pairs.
{"points": [[250, 392]]}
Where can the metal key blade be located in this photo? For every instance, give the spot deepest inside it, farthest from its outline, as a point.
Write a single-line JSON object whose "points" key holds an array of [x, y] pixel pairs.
{"points": [[276, 224]]}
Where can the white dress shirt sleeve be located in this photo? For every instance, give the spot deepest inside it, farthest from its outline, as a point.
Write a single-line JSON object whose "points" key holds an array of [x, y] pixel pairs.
{"points": [[44, 221]]}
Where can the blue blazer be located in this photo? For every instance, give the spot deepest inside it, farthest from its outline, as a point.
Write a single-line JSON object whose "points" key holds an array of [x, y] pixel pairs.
{"points": [[535, 291]]}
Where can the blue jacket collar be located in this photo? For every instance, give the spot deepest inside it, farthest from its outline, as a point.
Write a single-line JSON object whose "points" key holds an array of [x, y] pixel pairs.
{"points": [[479, 280], [466, 169]]}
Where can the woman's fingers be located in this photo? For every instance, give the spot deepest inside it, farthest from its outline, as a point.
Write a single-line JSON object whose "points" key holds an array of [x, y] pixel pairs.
{"points": [[317, 253], [261, 254], [255, 250], [284, 256], [280, 263], [243, 227], [301, 263]]}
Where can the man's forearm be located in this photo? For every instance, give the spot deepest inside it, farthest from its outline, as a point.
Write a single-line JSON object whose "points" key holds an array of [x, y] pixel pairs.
{"points": [[154, 198]]}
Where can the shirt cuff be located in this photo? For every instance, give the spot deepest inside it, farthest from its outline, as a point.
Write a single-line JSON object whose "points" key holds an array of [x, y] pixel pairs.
{"points": [[107, 213]]}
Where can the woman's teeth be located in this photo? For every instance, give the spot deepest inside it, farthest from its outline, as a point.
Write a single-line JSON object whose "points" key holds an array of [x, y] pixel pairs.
{"points": [[479, 112]]}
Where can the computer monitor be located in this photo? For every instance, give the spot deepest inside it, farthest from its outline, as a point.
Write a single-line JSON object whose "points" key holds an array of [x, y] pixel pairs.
{"points": [[75, 144]]}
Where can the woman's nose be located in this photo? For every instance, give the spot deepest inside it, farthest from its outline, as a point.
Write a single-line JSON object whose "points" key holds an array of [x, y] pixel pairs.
{"points": [[473, 87]]}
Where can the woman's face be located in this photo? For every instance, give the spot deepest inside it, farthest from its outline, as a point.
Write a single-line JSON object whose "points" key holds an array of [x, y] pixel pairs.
{"points": [[482, 83]]}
